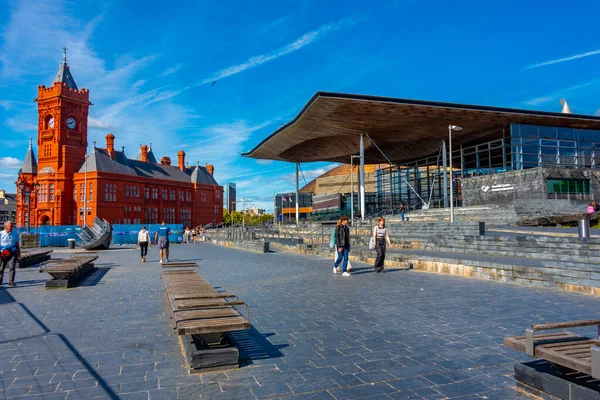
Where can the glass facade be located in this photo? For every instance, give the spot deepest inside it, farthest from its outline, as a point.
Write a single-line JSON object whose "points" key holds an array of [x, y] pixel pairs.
{"points": [[543, 146], [516, 147]]}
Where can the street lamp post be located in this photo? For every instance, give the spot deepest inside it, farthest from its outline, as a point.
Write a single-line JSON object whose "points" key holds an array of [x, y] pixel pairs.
{"points": [[22, 190], [85, 189], [28, 201], [352, 157], [450, 129]]}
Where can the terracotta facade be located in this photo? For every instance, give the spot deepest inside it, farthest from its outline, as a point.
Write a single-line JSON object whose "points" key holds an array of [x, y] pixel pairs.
{"points": [[72, 186]]}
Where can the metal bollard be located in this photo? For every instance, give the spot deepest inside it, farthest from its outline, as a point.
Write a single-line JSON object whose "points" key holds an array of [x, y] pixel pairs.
{"points": [[584, 228]]}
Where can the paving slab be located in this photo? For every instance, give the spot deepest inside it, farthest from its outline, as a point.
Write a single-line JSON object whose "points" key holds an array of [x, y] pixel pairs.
{"points": [[314, 335]]}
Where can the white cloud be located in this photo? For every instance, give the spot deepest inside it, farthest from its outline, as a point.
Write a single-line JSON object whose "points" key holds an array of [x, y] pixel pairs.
{"points": [[171, 70], [264, 162], [557, 94], [19, 125], [10, 162], [273, 25], [565, 59], [598, 112], [255, 61], [35, 33], [98, 124]]}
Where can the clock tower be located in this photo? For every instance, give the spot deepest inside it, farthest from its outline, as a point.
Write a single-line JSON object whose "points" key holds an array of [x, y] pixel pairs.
{"points": [[62, 145]]}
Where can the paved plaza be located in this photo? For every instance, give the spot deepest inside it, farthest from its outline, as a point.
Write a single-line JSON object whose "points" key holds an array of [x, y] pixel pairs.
{"points": [[399, 335]]}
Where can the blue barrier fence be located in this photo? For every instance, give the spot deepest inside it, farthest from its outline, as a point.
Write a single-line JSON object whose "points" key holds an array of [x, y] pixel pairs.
{"points": [[54, 236], [57, 236], [127, 234]]}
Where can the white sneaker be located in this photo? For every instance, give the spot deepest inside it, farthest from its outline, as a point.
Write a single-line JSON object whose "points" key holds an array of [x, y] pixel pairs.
{"points": [[161, 261], [335, 271], [346, 274], [168, 260]]}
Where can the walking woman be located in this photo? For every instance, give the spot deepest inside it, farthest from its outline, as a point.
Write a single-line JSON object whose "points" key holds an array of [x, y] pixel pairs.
{"points": [[380, 237], [144, 242]]}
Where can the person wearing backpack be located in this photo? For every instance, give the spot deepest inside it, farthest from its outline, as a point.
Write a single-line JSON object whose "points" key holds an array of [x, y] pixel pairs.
{"points": [[342, 244], [332, 245], [380, 238]]}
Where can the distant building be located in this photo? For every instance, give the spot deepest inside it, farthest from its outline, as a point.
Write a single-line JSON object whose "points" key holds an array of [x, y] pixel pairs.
{"points": [[256, 211], [74, 187], [231, 193], [8, 206]]}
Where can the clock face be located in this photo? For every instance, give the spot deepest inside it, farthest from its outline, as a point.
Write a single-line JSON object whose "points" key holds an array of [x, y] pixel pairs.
{"points": [[51, 122], [71, 124]]}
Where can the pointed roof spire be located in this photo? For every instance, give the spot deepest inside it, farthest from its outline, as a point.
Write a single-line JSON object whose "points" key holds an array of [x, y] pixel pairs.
{"points": [[64, 74], [565, 107], [30, 163]]}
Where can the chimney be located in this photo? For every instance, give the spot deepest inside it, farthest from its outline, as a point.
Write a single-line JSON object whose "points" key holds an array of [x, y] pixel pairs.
{"points": [[210, 168], [110, 145], [144, 150], [181, 159], [165, 160]]}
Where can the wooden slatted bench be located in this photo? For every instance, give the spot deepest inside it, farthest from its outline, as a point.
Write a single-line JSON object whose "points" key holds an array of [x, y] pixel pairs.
{"points": [[67, 272], [567, 352], [179, 264], [34, 257], [202, 317]]}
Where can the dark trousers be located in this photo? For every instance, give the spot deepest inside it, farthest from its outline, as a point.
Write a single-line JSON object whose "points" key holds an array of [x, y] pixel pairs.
{"points": [[12, 264], [144, 248], [380, 248]]}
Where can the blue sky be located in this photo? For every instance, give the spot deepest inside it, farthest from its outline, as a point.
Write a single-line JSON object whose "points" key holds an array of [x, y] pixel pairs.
{"points": [[149, 68]]}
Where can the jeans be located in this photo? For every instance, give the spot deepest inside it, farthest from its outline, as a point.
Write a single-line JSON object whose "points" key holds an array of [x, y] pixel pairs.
{"points": [[343, 255], [402, 215], [144, 248], [380, 246]]}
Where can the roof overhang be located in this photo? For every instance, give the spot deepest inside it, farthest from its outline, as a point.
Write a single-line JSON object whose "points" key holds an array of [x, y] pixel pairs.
{"points": [[330, 125]]}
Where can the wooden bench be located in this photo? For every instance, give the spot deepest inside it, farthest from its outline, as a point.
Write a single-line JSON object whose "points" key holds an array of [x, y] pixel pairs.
{"points": [[202, 317], [34, 257], [67, 272], [566, 351], [179, 264]]}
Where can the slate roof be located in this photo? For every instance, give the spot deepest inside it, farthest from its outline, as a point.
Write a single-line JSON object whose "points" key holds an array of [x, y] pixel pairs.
{"points": [[64, 76], [151, 157], [30, 164], [99, 160]]}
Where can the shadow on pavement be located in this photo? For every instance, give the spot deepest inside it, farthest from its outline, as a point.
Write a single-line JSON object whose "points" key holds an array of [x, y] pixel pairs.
{"points": [[95, 277], [253, 346], [6, 298]]}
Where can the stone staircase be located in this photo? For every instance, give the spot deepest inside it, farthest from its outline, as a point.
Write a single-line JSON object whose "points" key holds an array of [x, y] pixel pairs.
{"points": [[568, 263], [490, 215]]}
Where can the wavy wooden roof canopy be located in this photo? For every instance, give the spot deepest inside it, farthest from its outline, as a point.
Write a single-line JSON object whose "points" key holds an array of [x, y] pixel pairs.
{"points": [[329, 127]]}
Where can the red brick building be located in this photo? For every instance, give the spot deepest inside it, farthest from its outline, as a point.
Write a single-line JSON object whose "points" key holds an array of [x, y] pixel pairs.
{"points": [[66, 185]]}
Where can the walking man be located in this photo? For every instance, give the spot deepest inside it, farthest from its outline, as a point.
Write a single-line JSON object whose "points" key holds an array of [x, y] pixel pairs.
{"points": [[162, 238], [342, 243], [144, 242], [10, 251]]}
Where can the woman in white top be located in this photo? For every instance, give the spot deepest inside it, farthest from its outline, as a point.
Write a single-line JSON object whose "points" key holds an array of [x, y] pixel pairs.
{"points": [[144, 242], [380, 238]]}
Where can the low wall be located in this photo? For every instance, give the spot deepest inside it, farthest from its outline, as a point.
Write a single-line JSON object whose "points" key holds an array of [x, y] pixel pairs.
{"points": [[256, 246]]}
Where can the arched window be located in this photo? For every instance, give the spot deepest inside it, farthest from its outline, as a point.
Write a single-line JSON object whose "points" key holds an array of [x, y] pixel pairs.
{"points": [[47, 124]]}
